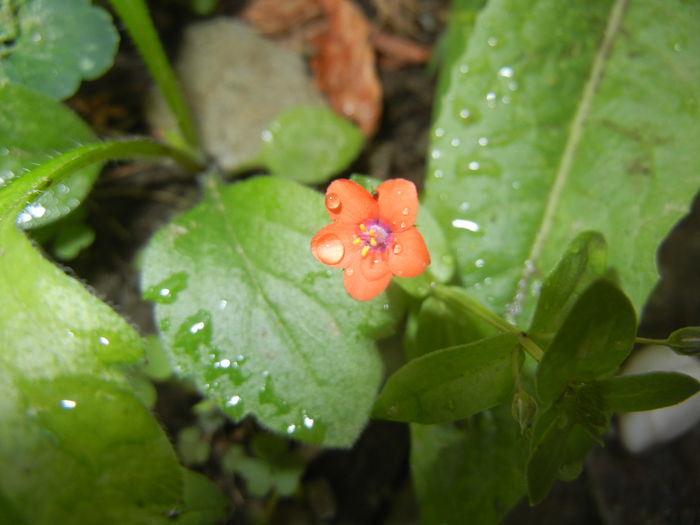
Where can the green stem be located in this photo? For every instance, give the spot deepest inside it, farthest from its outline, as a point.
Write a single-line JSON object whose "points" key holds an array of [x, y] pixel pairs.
{"points": [[24, 187], [138, 23], [648, 341], [460, 300]]}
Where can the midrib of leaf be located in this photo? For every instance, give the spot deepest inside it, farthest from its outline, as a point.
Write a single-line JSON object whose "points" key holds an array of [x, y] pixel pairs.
{"points": [[213, 187], [568, 155]]}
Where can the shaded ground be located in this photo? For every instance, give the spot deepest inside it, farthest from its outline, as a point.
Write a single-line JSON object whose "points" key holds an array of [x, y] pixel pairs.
{"points": [[370, 483]]}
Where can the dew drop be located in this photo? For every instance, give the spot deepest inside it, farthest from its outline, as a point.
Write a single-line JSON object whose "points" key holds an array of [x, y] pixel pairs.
{"points": [[505, 72], [479, 263], [439, 132], [403, 224], [478, 165], [404, 211], [349, 271], [308, 422], [103, 341], [291, 429], [436, 154], [455, 142], [492, 41], [330, 249], [266, 135], [68, 404], [233, 401], [333, 202], [491, 99], [464, 69], [483, 141], [397, 248]]}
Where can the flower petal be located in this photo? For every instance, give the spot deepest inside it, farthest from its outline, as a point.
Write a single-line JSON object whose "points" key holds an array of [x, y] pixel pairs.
{"points": [[347, 201], [398, 203], [332, 245], [374, 265], [408, 255], [361, 288]]}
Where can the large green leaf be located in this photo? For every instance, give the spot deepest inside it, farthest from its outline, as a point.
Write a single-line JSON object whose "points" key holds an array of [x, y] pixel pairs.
{"points": [[29, 137], [76, 445], [255, 321], [51, 46], [594, 340], [450, 384], [561, 117]]}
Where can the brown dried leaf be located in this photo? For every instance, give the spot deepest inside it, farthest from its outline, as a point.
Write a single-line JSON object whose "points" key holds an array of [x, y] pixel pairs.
{"points": [[344, 65], [272, 17]]}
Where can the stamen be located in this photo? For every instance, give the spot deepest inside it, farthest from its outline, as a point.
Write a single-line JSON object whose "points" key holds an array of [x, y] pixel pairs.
{"points": [[363, 228], [373, 241], [372, 233], [356, 240], [365, 251]]}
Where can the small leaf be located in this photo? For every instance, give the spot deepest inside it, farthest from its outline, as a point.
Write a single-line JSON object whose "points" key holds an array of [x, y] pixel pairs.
{"points": [[204, 501], [636, 393], [57, 45], [450, 384], [29, 137], [258, 324], [585, 260], [595, 338], [685, 341], [309, 144]]}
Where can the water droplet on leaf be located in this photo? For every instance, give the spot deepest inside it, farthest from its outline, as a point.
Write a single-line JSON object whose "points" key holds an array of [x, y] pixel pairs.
{"points": [[397, 248]]}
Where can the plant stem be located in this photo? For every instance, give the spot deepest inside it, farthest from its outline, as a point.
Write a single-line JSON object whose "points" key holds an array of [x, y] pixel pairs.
{"points": [[138, 22], [648, 341], [460, 300]]}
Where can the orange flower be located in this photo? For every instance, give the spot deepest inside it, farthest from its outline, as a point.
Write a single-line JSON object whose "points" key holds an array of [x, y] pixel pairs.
{"points": [[371, 237]]}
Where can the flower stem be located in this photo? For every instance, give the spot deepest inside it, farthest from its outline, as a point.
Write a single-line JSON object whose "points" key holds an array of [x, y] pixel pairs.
{"points": [[459, 299]]}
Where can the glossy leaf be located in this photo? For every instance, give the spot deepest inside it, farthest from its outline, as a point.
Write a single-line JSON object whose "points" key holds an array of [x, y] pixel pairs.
{"points": [[256, 321], [450, 384], [593, 341], [560, 118], [71, 429], [309, 144], [29, 137], [583, 262], [635, 393], [89, 447], [52, 46], [475, 470]]}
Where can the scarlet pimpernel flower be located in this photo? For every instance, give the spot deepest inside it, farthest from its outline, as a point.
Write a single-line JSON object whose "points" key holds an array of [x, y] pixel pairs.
{"points": [[372, 237]]}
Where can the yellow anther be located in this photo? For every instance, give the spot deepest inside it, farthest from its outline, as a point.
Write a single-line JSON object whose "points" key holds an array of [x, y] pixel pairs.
{"points": [[372, 233], [356, 240], [363, 228], [365, 251], [373, 241]]}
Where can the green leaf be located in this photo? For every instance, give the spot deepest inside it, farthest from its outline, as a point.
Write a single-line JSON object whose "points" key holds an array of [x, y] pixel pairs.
{"points": [[70, 428], [90, 448], [593, 341], [29, 137], [436, 326], [55, 45], [685, 340], [584, 261], [134, 14], [450, 384], [475, 470], [258, 324], [562, 117], [309, 144], [204, 502], [635, 393]]}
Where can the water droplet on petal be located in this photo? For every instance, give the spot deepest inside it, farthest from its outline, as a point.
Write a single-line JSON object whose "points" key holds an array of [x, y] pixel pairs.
{"points": [[349, 271], [397, 248], [333, 202], [404, 211], [330, 249], [403, 224]]}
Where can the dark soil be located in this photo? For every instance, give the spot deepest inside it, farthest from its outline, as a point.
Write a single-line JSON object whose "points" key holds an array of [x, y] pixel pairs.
{"points": [[371, 482]]}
